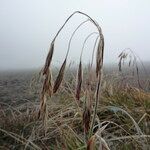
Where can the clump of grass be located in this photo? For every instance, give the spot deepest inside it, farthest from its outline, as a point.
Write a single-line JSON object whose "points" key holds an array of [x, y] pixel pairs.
{"points": [[49, 89], [88, 109], [129, 58]]}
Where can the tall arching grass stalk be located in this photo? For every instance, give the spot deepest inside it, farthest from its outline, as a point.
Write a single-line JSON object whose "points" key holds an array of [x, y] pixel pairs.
{"points": [[49, 89]]}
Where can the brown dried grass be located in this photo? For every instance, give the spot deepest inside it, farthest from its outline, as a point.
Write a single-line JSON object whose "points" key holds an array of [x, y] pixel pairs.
{"points": [[49, 89]]}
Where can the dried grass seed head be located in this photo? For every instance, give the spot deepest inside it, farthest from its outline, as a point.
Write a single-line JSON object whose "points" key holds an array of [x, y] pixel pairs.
{"points": [[79, 81], [60, 76]]}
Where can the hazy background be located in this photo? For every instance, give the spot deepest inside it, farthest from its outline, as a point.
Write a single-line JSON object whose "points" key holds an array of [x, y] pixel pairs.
{"points": [[28, 26]]}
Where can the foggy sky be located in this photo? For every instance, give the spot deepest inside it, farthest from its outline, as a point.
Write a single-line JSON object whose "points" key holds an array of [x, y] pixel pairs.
{"points": [[28, 26]]}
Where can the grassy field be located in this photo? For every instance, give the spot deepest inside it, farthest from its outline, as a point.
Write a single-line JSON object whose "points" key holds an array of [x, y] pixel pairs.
{"points": [[122, 121]]}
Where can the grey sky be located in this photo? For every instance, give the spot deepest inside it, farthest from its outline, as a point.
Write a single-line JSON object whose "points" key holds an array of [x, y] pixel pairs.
{"points": [[28, 26]]}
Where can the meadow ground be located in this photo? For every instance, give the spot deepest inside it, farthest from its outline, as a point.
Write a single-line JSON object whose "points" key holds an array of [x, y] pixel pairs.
{"points": [[122, 121]]}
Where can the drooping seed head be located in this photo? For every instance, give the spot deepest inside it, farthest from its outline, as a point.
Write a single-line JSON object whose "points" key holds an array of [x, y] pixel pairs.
{"points": [[79, 81], [86, 119], [99, 55], [60, 76], [49, 58]]}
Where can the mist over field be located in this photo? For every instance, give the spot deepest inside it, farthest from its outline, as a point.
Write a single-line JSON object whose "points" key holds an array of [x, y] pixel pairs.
{"points": [[27, 27]]}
